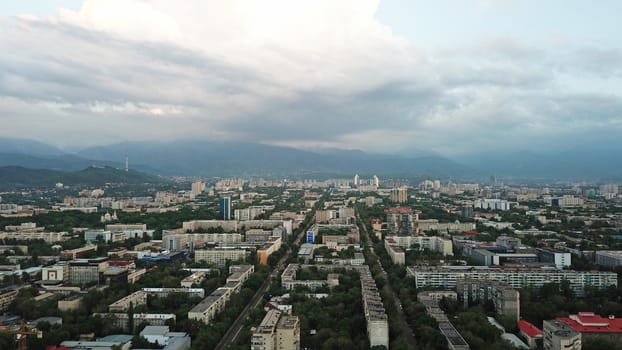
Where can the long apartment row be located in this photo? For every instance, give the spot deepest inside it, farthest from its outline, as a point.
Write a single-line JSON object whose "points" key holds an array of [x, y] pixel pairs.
{"points": [[205, 311], [375, 315]]}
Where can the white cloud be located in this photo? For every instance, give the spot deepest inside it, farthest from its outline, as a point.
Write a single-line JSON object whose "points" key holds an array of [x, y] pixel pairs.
{"points": [[319, 72]]}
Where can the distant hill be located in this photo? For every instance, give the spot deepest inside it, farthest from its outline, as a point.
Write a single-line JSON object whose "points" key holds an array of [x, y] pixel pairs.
{"points": [[95, 176], [214, 158], [64, 162], [15, 177], [576, 164], [207, 158], [12, 177], [30, 147]]}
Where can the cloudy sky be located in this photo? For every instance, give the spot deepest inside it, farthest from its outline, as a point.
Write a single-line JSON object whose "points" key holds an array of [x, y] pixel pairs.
{"points": [[448, 76]]}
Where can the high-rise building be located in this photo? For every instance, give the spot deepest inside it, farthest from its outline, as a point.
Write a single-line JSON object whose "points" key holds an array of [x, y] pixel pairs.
{"points": [[225, 208], [401, 221], [198, 187], [356, 180], [609, 188], [376, 181], [399, 195]]}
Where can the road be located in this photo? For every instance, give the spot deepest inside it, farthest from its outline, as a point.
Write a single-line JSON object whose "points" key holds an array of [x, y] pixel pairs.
{"points": [[233, 332], [408, 332]]}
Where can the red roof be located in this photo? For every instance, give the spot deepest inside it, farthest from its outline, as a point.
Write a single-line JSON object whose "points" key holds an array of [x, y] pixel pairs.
{"points": [[120, 262], [529, 329], [588, 322], [470, 233], [399, 209]]}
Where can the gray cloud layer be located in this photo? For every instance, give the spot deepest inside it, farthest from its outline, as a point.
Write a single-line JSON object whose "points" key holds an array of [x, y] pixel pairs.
{"points": [[77, 79]]}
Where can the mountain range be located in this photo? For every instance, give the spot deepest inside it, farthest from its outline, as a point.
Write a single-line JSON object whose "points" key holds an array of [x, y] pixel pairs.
{"points": [[219, 158], [12, 177]]}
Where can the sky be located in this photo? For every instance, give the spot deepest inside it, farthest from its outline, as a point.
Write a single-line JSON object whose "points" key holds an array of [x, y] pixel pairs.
{"points": [[453, 77]]}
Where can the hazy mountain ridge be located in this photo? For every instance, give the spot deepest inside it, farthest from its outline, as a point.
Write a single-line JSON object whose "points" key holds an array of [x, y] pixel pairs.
{"points": [[217, 158], [206, 158], [19, 177], [576, 164], [30, 147]]}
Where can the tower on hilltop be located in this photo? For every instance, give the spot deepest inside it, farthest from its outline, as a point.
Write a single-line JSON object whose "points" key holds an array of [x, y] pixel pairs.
{"points": [[127, 161]]}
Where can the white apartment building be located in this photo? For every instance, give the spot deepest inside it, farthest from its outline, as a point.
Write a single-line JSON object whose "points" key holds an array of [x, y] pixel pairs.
{"points": [[196, 277], [164, 292], [447, 276], [277, 331], [219, 256], [212, 305], [396, 253], [123, 304], [181, 241], [609, 258], [433, 243], [492, 204]]}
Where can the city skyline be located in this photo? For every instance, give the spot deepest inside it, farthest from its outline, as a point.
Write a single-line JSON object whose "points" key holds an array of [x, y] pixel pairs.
{"points": [[450, 78]]}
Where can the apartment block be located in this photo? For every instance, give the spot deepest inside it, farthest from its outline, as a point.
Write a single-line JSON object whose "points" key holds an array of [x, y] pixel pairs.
{"points": [[121, 320], [257, 236], [182, 241], [273, 245], [105, 236], [277, 331], [288, 279], [447, 277], [134, 276], [70, 303], [443, 227], [236, 226], [6, 298], [72, 254], [123, 304], [505, 299], [375, 315], [219, 256], [251, 212], [492, 204], [194, 278], [566, 201], [401, 221], [430, 300], [240, 273], [163, 336], [48, 237], [559, 258], [396, 253], [164, 292], [212, 305], [557, 335], [126, 227], [610, 258], [399, 195], [433, 243], [511, 243], [593, 326]]}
